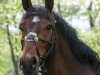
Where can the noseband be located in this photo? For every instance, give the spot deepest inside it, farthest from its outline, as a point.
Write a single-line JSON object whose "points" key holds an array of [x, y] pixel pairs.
{"points": [[49, 52], [34, 38]]}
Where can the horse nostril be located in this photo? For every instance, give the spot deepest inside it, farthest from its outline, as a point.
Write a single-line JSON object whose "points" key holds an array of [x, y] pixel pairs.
{"points": [[21, 64], [33, 60], [33, 63], [34, 66], [21, 67]]}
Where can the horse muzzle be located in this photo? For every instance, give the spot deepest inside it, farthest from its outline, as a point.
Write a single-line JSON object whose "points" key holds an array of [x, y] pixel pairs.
{"points": [[31, 66]]}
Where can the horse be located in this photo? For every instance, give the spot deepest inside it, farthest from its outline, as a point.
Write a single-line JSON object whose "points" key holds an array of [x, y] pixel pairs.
{"points": [[51, 46]]}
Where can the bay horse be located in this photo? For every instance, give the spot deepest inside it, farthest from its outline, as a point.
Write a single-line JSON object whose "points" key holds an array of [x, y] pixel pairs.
{"points": [[51, 46]]}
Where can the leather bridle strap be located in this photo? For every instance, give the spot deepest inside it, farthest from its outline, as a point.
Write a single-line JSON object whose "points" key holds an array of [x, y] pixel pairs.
{"points": [[52, 46], [37, 50], [48, 53]]}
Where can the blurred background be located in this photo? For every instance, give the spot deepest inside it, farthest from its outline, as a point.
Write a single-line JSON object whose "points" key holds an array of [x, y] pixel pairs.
{"points": [[83, 15]]}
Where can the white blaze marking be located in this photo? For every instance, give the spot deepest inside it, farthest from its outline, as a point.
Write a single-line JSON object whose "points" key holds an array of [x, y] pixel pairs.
{"points": [[36, 19]]}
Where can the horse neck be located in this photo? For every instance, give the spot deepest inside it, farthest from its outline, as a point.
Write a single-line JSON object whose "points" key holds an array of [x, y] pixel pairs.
{"points": [[63, 62]]}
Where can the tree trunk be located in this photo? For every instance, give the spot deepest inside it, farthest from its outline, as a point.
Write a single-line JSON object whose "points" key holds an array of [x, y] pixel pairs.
{"points": [[59, 8], [91, 20], [12, 52], [43, 1]]}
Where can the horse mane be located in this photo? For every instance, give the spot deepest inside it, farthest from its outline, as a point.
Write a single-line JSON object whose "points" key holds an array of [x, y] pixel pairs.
{"points": [[83, 53]]}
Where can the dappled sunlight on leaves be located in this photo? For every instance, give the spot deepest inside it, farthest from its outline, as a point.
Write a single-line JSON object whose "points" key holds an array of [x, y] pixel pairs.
{"points": [[91, 38]]}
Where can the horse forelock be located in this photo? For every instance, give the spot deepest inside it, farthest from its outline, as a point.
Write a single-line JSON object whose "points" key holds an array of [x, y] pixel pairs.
{"points": [[39, 10]]}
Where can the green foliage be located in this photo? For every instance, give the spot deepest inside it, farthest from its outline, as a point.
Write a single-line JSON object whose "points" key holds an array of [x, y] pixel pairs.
{"points": [[8, 12], [92, 38], [5, 62]]}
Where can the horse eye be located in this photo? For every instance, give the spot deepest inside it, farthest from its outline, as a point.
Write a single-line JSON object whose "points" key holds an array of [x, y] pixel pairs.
{"points": [[21, 28], [49, 27]]}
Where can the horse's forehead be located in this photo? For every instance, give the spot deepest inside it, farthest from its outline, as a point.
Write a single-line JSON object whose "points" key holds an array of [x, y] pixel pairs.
{"points": [[36, 19]]}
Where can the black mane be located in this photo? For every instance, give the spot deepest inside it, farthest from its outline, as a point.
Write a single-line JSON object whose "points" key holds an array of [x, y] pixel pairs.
{"points": [[83, 53]]}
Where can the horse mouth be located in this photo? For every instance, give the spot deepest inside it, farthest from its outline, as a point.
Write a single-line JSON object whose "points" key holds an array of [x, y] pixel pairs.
{"points": [[30, 72], [32, 67]]}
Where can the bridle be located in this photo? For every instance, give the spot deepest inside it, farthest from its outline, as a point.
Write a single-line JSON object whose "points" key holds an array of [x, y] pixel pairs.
{"points": [[48, 53], [42, 67]]}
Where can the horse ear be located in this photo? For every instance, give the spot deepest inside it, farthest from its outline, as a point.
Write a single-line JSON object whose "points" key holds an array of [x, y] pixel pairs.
{"points": [[49, 4], [27, 4]]}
